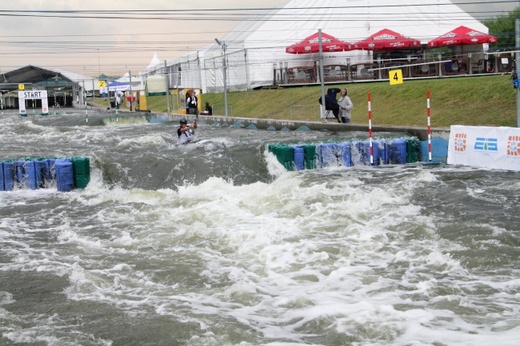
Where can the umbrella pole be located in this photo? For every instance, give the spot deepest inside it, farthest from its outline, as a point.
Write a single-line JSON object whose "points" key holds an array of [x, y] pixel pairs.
{"points": [[322, 109]]}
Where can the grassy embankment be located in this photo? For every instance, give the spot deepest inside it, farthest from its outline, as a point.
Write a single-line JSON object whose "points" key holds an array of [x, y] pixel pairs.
{"points": [[482, 100]]}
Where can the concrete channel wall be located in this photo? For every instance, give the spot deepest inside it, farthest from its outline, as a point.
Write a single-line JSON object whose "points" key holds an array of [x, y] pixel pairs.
{"points": [[292, 125]]}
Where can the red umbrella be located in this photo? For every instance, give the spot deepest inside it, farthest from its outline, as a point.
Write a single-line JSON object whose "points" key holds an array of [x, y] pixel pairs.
{"points": [[385, 40], [311, 45], [462, 36]]}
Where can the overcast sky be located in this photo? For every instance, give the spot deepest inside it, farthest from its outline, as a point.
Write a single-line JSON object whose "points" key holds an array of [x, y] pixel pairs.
{"points": [[95, 44]]}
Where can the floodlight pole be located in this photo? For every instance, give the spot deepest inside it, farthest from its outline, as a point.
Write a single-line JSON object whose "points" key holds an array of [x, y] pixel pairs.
{"points": [[517, 66], [167, 76], [224, 68], [323, 107]]}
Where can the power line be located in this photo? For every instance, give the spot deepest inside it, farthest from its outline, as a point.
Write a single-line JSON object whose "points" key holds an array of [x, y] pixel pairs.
{"points": [[127, 46]]}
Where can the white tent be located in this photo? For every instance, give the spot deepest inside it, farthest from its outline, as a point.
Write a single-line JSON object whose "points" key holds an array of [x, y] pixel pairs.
{"points": [[156, 84], [137, 82], [255, 49], [153, 65], [85, 82]]}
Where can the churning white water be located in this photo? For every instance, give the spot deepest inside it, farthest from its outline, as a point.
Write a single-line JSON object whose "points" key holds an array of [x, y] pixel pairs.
{"points": [[217, 244]]}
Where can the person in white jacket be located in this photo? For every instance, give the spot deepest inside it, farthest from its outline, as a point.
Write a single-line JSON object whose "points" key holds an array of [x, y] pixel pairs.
{"points": [[345, 106]]}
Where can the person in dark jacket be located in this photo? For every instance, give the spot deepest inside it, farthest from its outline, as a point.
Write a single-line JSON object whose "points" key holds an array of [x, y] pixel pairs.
{"points": [[188, 98], [331, 104], [208, 110]]}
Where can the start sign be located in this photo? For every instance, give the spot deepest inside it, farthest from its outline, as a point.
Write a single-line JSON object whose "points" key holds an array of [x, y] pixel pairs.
{"points": [[33, 95]]}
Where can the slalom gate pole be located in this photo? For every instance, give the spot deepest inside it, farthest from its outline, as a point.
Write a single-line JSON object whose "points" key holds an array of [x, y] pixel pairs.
{"points": [[429, 125], [370, 128]]}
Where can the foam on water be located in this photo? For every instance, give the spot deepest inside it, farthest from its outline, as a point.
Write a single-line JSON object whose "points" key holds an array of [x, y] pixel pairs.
{"points": [[279, 258], [343, 255]]}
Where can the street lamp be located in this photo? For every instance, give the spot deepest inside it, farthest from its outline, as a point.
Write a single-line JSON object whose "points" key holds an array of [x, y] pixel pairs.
{"points": [[224, 67]]}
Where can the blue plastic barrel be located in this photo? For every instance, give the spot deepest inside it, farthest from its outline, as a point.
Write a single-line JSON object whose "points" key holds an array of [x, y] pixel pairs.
{"points": [[345, 152], [64, 175], [49, 171], [45, 172], [299, 157], [34, 174], [439, 150], [360, 157], [40, 174], [20, 173], [2, 184], [9, 176], [384, 153], [398, 151], [30, 175], [375, 153], [328, 154]]}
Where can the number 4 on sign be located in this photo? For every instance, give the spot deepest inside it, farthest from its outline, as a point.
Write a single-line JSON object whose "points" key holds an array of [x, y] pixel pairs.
{"points": [[396, 77]]}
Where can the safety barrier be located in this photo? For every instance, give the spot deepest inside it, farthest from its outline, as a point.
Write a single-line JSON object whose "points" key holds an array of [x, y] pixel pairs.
{"points": [[311, 156], [64, 173]]}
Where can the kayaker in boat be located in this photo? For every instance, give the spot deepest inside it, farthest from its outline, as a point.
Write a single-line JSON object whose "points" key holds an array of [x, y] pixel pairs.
{"points": [[186, 132]]}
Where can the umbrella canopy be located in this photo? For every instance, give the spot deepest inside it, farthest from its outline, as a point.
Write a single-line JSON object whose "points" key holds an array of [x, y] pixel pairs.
{"points": [[386, 40], [462, 36], [311, 44]]}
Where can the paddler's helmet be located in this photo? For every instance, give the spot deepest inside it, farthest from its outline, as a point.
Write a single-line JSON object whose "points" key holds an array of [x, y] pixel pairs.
{"points": [[183, 121]]}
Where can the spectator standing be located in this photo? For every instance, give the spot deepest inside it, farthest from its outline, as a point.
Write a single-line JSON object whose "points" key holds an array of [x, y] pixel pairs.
{"points": [[345, 106]]}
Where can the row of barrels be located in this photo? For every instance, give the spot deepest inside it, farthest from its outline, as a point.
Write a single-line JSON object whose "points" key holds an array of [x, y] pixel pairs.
{"points": [[311, 156], [65, 174]]}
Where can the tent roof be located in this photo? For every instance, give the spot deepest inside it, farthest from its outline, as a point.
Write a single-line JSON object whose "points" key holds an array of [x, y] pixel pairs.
{"points": [[27, 75], [462, 35], [351, 22], [311, 44], [387, 39], [36, 75], [153, 65], [154, 62]]}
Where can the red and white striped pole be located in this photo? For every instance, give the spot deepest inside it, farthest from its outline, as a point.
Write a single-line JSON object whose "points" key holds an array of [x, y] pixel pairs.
{"points": [[370, 128], [429, 125]]}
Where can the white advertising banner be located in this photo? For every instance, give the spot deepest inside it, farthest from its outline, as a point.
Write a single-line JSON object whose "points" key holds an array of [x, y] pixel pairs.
{"points": [[486, 147], [21, 104], [45, 103]]}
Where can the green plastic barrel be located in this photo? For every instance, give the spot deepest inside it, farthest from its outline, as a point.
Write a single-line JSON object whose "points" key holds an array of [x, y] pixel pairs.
{"points": [[310, 156], [413, 146], [81, 167], [287, 155], [284, 153]]}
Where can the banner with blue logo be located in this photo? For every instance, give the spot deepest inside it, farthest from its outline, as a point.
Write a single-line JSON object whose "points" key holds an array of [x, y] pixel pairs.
{"points": [[486, 147]]}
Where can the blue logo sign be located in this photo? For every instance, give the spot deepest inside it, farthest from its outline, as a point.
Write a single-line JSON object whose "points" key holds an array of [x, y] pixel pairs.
{"points": [[486, 144]]}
